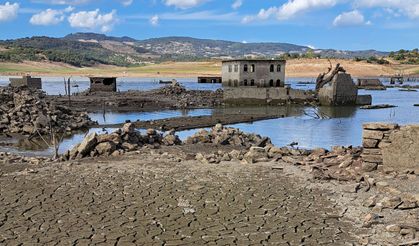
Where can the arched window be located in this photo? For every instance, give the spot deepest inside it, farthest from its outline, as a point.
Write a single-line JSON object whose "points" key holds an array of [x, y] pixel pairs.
{"points": [[272, 68], [245, 68], [252, 82], [230, 68], [252, 68], [271, 83], [278, 68], [245, 82], [278, 83], [236, 68], [229, 82]]}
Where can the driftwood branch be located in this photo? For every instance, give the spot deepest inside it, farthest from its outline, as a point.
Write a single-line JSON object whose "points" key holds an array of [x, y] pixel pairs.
{"points": [[325, 78]]}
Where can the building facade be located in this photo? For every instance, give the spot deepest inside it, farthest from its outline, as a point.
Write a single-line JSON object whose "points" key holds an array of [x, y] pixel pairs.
{"points": [[257, 73]]}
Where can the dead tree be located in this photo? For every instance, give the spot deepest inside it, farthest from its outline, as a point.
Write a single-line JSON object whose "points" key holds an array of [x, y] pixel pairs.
{"points": [[325, 78]]}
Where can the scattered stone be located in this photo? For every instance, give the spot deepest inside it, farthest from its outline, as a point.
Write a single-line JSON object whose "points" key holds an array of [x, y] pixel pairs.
{"points": [[368, 166], [393, 228]]}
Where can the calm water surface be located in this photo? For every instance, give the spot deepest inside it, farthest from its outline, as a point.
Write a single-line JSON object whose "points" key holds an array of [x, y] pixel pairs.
{"points": [[340, 125]]}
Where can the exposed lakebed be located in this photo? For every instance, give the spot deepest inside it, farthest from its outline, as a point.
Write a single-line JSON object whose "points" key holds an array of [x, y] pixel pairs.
{"points": [[337, 126]]}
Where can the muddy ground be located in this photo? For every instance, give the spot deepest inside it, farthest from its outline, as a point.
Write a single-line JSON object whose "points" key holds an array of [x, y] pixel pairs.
{"points": [[140, 101], [153, 197], [195, 122]]}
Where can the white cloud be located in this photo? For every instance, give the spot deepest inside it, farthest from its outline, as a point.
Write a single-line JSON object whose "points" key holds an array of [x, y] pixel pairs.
{"points": [[8, 11], [63, 2], [127, 2], [237, 4], [184, 4], [154, 20], [353, 18], [47, 17], [290, 9], [93, 20], [409, 8], [78, 2]]}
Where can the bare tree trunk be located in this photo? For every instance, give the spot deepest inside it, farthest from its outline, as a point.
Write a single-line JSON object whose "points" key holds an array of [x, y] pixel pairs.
{"points": [[69, 91], [65, 86]]}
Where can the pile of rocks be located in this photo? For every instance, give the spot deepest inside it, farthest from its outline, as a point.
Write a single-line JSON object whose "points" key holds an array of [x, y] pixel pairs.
{"points": [[375, 136], [123, 140], [190, 98], [26, 111], [173, 89], [227, 136]]}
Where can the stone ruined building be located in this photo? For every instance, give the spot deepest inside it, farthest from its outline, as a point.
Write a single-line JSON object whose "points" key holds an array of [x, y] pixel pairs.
{"points": [[106, 84], [28, 81], [259, 73], [258, 82], [209, 80], [336, 88]]}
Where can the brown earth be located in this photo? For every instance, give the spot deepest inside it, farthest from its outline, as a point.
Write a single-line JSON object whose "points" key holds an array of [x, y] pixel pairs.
{"points": [[295, 68], [153, 197]]}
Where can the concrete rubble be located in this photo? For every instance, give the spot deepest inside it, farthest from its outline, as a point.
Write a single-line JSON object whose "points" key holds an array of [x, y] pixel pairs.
{"points": [[25, 111]]}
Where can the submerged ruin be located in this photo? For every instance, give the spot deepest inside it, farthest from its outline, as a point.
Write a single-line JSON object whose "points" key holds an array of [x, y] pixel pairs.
{"points": [[106, 84], [336, 87]]}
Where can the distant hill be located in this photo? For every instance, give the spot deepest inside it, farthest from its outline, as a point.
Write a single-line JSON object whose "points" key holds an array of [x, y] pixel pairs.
{"points": [[87, 49]]}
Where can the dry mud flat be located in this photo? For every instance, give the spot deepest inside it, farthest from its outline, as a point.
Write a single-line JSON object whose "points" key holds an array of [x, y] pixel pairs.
{"points": [[166, 197], [138, 200]]}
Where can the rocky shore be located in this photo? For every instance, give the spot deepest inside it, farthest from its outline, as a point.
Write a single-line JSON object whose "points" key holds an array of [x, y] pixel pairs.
{"points": [[371, 206]]}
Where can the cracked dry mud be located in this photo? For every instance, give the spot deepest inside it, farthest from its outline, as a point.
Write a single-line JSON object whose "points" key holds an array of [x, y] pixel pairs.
{"points": [[138, 201]]}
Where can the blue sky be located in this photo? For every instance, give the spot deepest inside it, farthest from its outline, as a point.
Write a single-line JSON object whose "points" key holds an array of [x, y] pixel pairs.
{"points": [[339, 24]]}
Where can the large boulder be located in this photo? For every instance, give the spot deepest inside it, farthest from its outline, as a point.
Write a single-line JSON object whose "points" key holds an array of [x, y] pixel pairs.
{"points": [[87, 145], [106, 148]]}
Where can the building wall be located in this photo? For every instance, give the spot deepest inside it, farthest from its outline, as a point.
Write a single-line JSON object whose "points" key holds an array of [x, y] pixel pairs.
{"points": [[262, 75], [340, 91], [103, 84], [391, 146], [263, 96], [34, 83]]}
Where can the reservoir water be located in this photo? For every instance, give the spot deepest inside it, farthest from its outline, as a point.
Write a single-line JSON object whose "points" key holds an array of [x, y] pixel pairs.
{"points": [[338, 126]]}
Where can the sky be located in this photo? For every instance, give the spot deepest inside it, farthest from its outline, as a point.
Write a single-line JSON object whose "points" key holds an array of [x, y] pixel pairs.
{"points": [[384, 25]]}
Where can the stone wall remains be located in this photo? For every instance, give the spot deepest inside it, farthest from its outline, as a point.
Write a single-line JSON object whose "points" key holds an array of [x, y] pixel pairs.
{"points": [[390, 146], [263, 96]]}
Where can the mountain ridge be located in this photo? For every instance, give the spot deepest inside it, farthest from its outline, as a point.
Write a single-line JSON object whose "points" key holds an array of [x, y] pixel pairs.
{"points": [[86, 49]]}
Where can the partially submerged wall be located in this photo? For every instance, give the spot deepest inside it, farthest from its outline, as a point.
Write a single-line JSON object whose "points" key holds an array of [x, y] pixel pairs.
{"points": [[391, 146], [340, 91], [263, 96]]}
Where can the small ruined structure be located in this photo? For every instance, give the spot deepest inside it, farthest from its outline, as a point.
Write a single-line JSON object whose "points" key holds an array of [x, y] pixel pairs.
{"points": [[209, 80], [257, 73], [107, 84], [26, 81], [370, 84], [336, 87]]}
